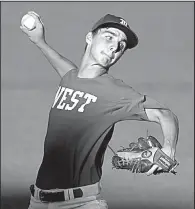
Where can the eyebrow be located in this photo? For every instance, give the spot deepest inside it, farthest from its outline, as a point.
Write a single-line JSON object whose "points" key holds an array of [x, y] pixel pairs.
{"points": [[114, 34]]}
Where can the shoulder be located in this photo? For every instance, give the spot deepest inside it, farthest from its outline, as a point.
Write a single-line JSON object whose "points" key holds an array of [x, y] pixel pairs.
{"points": [[117, 82], [70, 73], [121, 87]]}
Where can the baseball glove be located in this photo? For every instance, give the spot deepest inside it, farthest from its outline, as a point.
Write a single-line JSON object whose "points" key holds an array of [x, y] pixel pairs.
{"points": [[140, 156]]}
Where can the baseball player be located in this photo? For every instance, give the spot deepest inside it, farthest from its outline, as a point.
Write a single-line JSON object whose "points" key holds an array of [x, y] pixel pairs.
{"points": [[87, 105]]}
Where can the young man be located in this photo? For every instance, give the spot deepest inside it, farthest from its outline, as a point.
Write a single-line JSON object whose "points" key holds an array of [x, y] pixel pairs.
{"points": [[87, 105]]}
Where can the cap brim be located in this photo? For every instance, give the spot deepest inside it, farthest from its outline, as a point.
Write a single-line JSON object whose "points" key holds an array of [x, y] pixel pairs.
{"points": [[132, 39]]}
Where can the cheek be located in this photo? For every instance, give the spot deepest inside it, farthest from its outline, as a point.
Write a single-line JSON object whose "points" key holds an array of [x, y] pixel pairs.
{"points": [[97, 49], [99, 44]]}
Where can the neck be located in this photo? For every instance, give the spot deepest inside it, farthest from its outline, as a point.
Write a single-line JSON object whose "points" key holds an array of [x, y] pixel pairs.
{"points": [[89, 68]]}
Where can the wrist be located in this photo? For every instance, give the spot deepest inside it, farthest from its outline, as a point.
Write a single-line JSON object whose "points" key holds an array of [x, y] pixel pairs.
{"points": [[169, 145], [170, 151], [41, 43]]}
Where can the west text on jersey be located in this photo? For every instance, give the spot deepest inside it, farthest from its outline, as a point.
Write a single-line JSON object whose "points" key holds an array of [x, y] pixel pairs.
{"points": [[69, 99]]}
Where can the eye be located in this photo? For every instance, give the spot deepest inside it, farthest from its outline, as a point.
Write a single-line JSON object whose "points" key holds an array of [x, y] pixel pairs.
{"points": [[109, 38]]}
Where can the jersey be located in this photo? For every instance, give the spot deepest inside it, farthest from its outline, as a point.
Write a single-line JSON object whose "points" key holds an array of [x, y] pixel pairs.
{"points": [[80, 126]]}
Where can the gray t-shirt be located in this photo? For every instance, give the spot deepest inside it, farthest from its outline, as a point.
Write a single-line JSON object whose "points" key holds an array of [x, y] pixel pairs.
{"points": [[81, 124]]}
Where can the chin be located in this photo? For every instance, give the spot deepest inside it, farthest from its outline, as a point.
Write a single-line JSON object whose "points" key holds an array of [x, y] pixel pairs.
{"points": [[105, 63]]}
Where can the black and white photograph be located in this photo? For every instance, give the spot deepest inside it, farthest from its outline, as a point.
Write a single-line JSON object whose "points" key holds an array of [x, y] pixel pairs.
{"points": [[97, 105]]}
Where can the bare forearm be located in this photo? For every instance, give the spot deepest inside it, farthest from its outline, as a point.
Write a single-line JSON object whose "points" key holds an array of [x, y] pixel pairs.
{"points": [[58, 62], [170, 128], [169, 125]]}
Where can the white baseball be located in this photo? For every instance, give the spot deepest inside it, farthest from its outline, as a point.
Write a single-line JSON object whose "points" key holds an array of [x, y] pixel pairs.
{"points": [[29, 22]]}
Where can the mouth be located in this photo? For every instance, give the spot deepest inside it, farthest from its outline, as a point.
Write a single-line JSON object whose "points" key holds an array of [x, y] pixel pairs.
{"points": [[110, 57]]}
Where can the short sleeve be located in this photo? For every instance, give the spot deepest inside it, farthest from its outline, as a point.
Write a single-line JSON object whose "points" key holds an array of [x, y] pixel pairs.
{"points": [[134, 105], [68, 76]]}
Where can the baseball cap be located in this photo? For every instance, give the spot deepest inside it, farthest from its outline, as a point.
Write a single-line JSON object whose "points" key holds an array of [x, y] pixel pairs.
{"points": [[119, 23]]}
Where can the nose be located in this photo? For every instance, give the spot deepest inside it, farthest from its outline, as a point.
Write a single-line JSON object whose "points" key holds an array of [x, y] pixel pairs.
{"points": [[114, 47]]}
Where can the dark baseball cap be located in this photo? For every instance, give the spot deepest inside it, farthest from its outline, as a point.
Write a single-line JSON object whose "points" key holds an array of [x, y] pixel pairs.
{"points": [[119, 23]]}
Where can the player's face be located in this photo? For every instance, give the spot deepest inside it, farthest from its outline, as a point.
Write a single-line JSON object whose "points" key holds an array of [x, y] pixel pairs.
{"points": [[107, 46]]}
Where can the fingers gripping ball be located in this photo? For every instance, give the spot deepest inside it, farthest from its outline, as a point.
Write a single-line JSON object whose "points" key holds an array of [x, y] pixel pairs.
{"points": [[28, 21], [140, 156]]}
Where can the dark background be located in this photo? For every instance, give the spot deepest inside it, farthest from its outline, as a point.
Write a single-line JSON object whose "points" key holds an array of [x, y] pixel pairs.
{"points": [[160, 66]]}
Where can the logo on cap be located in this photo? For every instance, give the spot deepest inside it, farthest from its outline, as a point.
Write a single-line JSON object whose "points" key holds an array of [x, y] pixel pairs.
{"points": [[123, 22]]}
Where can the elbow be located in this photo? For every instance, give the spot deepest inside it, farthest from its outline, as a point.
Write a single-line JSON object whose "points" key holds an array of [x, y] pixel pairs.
{"points": [[168, 115], [161, 115]]}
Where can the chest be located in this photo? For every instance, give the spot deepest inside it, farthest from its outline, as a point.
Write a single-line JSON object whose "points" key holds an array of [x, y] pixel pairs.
{"points": [[69, 99]]}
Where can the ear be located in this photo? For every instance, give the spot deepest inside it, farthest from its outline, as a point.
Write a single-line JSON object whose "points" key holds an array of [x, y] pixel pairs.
{"points": [[89, 37]]}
